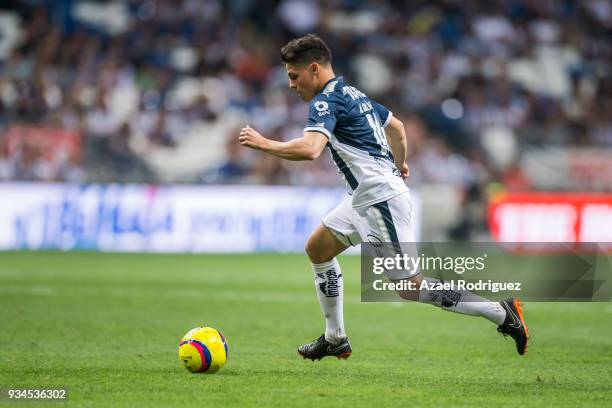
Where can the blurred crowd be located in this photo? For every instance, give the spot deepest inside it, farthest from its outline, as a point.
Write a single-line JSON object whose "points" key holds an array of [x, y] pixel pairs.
{"points": [[157, 90]]}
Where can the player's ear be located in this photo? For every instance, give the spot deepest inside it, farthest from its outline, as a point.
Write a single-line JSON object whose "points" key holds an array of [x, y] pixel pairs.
{"points": [[314, 68]]}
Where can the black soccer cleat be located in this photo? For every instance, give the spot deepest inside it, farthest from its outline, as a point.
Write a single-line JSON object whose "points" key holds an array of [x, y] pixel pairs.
{"points": [[514, 324], [320, 348]]}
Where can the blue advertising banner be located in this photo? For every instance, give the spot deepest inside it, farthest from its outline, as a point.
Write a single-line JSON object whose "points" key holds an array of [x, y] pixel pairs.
{"points": [[150, 218]]}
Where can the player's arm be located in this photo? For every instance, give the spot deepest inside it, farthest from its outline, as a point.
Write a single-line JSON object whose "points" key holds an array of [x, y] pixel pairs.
{"points": [[307, 147], [396, 137]]}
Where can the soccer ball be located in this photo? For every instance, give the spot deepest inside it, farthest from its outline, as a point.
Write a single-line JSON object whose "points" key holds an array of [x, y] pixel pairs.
{"points": [[203, 350]]}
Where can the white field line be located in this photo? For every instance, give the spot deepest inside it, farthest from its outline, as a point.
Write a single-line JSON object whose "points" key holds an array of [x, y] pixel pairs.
{"points": [[226, 295]]}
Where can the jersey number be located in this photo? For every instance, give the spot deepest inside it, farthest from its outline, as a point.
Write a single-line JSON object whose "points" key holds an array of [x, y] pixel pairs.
{"points": [[379, 133]]}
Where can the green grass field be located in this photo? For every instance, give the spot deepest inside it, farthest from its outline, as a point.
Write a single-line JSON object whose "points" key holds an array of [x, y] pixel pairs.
{"points": [[107, 327]]}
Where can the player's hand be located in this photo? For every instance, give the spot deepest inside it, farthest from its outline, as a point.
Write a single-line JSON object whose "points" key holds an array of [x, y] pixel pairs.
{"points": [[404, 170], [249, 137]]}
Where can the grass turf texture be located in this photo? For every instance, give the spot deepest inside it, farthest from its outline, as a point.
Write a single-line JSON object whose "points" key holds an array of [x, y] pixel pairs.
{"points": [[107, 327]]}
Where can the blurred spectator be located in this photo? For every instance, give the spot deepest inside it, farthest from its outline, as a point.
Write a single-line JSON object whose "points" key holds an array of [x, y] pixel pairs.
{"points": [[234, 169], [143, 79], [102, 122], [7, 163]]}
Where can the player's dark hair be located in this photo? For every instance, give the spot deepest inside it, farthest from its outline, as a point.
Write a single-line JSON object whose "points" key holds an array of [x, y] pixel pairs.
{"points": [[305, 50]]}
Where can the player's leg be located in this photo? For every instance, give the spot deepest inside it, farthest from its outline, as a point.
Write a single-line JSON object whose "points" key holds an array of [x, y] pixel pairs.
{"points": [[391, 221], [507, 314], [322, 248], [324, 244]]}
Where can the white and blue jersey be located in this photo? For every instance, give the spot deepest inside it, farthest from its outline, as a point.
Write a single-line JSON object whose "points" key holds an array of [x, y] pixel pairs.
{"points": [[354, 125]]}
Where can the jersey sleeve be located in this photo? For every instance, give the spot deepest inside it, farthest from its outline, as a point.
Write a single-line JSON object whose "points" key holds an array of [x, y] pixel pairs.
{"points": [[383, 113], [323, 116]]}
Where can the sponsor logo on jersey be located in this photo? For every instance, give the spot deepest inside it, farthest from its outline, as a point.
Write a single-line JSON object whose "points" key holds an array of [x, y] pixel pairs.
{"points": [[322, 107]]}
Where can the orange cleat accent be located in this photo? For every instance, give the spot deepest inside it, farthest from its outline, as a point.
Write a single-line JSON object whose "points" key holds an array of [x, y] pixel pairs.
{"points": [[519, 309], [514, 324], [343, 356]]}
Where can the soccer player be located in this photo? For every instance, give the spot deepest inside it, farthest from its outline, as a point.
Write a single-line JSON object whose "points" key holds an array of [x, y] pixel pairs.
{"points": [[368, 145]]}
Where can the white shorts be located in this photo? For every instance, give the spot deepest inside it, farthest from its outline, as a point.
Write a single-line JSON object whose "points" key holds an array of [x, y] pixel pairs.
{"points": [[384, 222]]}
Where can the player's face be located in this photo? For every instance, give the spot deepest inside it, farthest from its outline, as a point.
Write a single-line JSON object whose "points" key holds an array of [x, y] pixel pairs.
{"points": [[302, 80]]}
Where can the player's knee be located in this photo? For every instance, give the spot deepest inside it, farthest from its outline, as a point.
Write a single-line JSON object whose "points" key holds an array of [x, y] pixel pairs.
{"points": [[317, 252], [310, 248], [411, 294]]}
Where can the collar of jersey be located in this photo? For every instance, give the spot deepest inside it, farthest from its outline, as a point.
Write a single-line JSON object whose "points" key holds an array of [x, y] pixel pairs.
{"points": [[336, 78]]}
